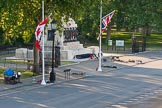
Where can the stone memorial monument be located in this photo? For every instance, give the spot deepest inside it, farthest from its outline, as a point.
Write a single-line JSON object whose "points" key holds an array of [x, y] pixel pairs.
{"points": [[66, 40]]}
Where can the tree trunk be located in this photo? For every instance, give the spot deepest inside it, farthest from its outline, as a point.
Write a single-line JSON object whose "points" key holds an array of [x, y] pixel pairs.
{"points": [[108, 37], [144, 35], [36, 60], [143, 31], [146, 31]]}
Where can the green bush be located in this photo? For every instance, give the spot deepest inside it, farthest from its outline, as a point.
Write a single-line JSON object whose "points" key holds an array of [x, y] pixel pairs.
{"points": [[26, 74], [1, 71]]}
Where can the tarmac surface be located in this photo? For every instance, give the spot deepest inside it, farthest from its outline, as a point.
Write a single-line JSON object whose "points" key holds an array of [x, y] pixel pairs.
{"points": [[134, 83]]}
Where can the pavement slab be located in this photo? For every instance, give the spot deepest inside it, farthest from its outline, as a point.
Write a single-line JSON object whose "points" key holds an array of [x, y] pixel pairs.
{"points": [[130, 85]]}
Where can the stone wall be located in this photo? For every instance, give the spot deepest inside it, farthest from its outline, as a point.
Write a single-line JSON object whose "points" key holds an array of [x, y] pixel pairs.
{"points": [[68, 51]]}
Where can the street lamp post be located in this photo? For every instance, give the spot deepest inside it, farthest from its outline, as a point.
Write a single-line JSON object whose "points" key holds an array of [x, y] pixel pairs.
{"points": [[53, 30]]}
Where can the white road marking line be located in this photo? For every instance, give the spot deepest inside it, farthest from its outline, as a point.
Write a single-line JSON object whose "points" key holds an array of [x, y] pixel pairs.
{"points": [[140, 97], [123, 103], [118, 106], [129, 101], [133, 99]]}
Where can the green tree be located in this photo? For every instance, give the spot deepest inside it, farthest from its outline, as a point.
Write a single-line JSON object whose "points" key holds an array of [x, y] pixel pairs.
{"points": [[19, 18], [135, 14]]}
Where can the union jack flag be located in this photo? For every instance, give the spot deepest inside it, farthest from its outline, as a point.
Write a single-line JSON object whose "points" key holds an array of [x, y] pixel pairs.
{"points": [[106, 20]]}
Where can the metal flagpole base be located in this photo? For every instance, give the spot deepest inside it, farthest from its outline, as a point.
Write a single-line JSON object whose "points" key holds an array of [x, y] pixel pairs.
{"points": [[99, 69], [43, 82]]}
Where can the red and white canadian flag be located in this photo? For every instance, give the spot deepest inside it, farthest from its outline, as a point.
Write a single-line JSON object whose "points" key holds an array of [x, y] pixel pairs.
{"points": [[38, 32]]}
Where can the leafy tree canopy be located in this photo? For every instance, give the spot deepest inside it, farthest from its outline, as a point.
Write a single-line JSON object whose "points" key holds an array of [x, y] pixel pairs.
{"points": [[19, 18]]}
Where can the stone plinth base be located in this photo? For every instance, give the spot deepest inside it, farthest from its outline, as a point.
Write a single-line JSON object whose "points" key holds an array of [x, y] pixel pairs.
{"points": [[68, 51], [95, 49], [69, 54]]}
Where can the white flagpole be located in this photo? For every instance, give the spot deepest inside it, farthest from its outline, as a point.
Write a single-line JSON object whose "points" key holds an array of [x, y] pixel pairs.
{"points": [[99, 64], [43, 74]]}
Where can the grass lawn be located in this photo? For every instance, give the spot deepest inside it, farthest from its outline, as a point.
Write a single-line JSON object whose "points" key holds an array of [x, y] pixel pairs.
{"points": [[25, 73], [154, 41]]}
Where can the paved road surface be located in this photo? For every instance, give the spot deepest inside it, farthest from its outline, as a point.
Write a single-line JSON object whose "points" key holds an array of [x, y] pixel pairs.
{"points": [[131, 85]]}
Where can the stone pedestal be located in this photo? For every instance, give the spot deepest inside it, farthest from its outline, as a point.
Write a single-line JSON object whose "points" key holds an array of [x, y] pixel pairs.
{"points": [[95, 49], [67, 49], [70, 49], [21, 53]]}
